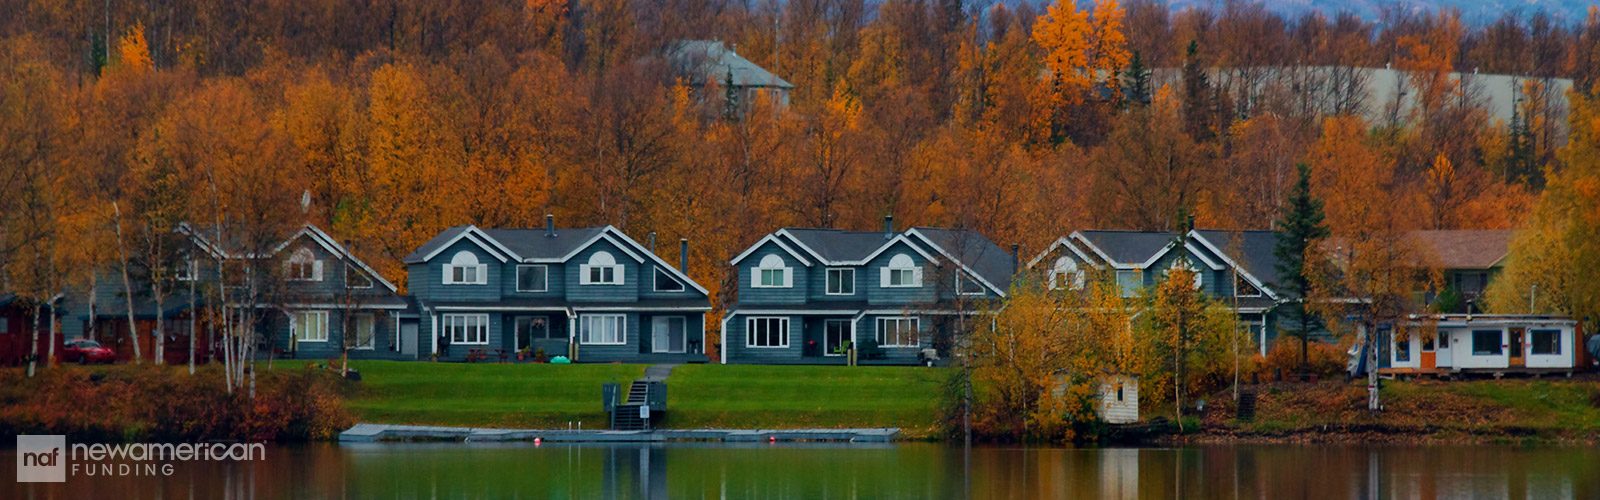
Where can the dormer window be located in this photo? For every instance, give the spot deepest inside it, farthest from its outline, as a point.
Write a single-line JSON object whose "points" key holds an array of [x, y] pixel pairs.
{"points": [[188, 270], [1243, 288], [772, 273], [602, 269], [302, 266], [464, 269], [666, 283], [901, 272], [1065, 274], [354, 278], [967, 285]]}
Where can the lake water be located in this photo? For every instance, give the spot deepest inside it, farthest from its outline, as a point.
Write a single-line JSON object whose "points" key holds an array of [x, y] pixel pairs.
{"points": [[828, 471]]}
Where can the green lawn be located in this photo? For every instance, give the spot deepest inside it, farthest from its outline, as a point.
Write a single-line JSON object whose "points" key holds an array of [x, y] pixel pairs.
{"points": [[744, 396], [484, 395], [534, 395]]}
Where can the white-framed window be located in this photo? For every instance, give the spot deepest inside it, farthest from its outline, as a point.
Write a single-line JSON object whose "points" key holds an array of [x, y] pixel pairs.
{"points": [[967, 285], [602, 329], [302, 266], [533, 278], [666, 283], [901, 272], [467, 329], [354, 278], [841, 281], [1184, 264], [1064, 273], [772, 273], [188, 270], [1243, 288], [898, 332], [363, 327], [464, 269], [602, 269], [1402, 350], [1487, 342], [772, 331], [1128, 280], [309, 326]]}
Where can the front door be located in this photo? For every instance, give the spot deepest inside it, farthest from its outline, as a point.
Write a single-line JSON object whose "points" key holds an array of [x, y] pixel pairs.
{"points": [[1428, 353], [408, 338], [531, 329], [1516, 347], [668, 333], [836, 334]]}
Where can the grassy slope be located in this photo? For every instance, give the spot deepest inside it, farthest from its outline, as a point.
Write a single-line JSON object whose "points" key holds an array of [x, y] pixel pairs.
{"points": [[532, 396], [1548, 407], [484, 395], [742, 396]]}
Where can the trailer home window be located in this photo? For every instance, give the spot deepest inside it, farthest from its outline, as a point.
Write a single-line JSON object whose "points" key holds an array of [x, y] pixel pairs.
{"points": [[1402, 350], [1546, 342], [1486, 343]]}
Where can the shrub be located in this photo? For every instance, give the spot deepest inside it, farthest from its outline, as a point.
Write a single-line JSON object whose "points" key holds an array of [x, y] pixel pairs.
{"points": [[1322, 358], [149, 403]]}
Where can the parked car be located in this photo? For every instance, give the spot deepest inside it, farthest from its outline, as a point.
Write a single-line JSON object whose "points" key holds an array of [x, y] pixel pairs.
{"points": [[87, 351]]}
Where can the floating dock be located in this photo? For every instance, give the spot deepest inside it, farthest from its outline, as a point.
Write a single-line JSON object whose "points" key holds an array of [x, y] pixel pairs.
{"points": [[366, 433]]}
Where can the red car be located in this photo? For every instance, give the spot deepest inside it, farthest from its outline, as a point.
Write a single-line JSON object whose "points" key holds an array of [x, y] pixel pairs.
{"points": [[86, 351]]}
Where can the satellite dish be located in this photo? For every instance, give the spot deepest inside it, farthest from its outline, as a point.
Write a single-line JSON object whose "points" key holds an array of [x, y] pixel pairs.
{"points": [[305, 201]]}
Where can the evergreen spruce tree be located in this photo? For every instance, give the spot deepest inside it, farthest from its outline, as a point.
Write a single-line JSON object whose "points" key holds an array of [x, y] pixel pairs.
{"points": [[1301, 227], [1138, 81]]}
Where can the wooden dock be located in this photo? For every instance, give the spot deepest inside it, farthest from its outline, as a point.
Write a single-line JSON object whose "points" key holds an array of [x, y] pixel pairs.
{"points": [[362, 433]]}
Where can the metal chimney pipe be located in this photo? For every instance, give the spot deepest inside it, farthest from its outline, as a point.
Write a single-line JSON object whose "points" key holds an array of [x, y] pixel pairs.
{"points": [[652, 242], [683, 255], [888, 227], [549, 225]]}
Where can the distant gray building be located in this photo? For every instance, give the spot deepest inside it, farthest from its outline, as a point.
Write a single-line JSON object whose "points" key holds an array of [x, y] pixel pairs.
{"points": [[710, 63]]}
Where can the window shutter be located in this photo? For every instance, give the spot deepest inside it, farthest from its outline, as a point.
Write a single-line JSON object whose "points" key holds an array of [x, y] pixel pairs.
{"points": [[619, 277], [916, 276], [583, 274], [788, 277], [445, 275], [883, 277], [755, 277], [316, 270], [483, 274]]}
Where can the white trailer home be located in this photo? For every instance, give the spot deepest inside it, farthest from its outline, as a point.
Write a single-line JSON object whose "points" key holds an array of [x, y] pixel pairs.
{"points": [[1454, 344]]}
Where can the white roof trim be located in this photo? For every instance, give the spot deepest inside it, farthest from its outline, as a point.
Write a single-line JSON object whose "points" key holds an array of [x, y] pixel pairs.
{"points": [[602, 235], [338, 307], [885, 247], [679, 273], [773, 238], [969, 270], [1256, 282], [792, 239], [335, 248], [795, 312], [1078, 235], [1062, 242], [201, 241], [481, 239]]}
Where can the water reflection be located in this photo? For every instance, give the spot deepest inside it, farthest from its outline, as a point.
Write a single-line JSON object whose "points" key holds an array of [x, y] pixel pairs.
{"points": [[831, 471]]}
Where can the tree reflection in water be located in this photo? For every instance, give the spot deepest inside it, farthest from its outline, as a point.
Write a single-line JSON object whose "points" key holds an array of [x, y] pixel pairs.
{"points": [[835, 471]]}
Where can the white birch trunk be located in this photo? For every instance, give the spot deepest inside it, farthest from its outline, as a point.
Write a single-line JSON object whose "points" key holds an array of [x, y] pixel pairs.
{"points": [[127, 286], [33, 347]]}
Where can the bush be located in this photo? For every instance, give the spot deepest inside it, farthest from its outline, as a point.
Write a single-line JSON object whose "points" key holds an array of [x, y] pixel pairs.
{"points": [[1322, 358], [149, 403]]}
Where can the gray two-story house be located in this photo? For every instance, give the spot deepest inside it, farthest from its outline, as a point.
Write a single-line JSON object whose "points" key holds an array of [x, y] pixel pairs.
{"points": [[809, 296], [329, 301], [592, 294], [1235, 267]]}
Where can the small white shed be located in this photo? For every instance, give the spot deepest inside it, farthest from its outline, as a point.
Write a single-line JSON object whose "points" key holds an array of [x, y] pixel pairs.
{"points": [[1119, 399]]}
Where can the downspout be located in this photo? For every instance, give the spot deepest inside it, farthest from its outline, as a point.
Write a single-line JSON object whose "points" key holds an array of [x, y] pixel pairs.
{"points": [[723, 350], [572, 334]]}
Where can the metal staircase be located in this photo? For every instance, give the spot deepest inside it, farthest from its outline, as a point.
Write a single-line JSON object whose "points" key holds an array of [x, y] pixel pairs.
{"points": [[644, 404]]}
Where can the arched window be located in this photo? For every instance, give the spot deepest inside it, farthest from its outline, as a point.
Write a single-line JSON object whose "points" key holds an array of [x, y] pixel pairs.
{"points": [[302, 266], [1184, 264], [772, 273], [602, 269], [464, 269], [1065, 273], [901, 272]]}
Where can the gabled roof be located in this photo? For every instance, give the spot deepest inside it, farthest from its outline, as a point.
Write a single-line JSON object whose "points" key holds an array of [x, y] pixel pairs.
{"points": [[537, 246], [1125, 249], [1466, 249], [974, 253], [971, 251], [710, 61], [1062, 243], [1249, 251], [327, 242]]}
